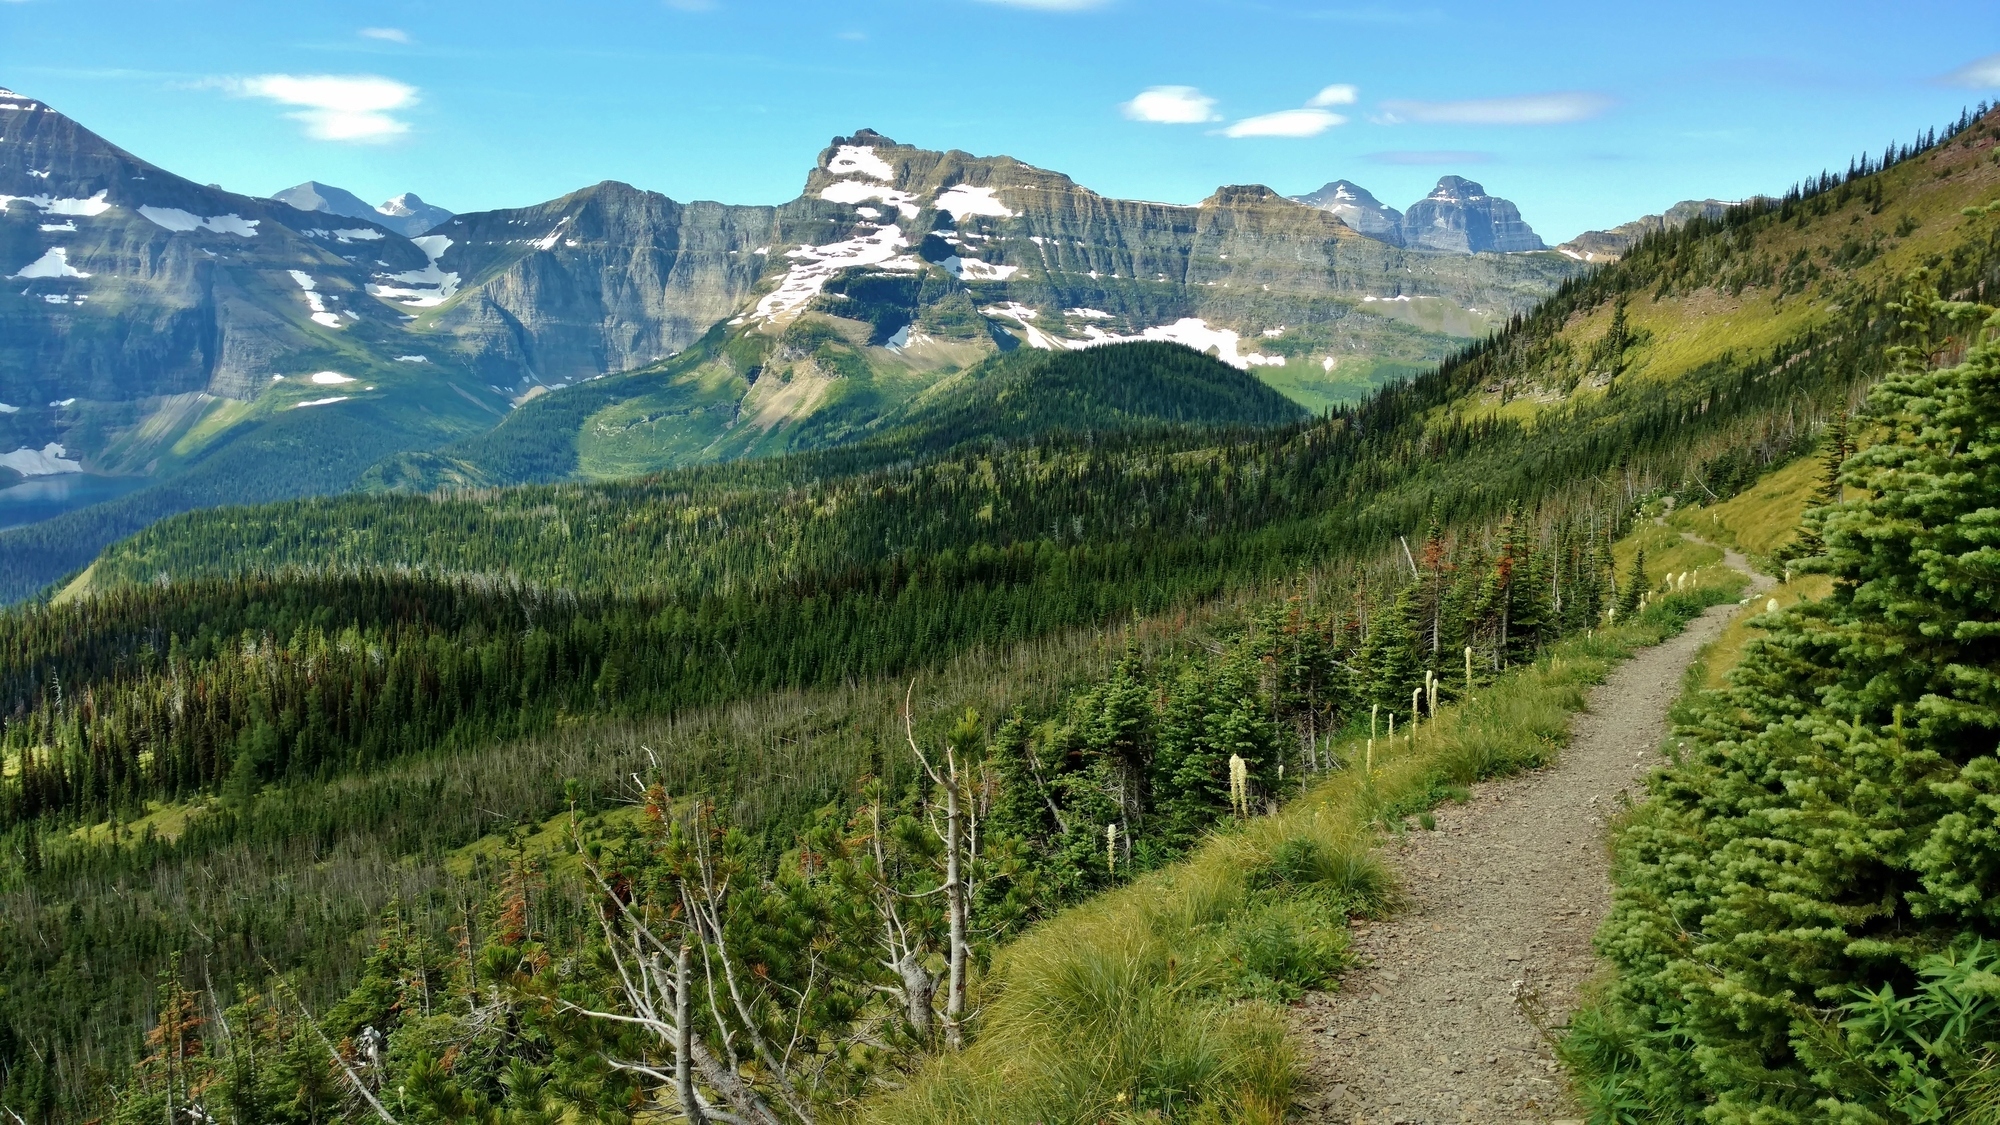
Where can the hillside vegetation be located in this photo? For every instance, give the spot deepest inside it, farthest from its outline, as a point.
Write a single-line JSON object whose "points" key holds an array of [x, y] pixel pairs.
{"points": [[259, 729]]}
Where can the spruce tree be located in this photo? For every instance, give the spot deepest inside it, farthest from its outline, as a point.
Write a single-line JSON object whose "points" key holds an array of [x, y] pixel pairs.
{"points": [[1833, 840]]}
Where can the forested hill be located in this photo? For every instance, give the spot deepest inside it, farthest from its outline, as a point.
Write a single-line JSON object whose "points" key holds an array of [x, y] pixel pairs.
{"points": [[323, 686]]}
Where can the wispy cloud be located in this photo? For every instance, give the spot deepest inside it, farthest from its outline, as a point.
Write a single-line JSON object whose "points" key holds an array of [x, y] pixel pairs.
{"points": [[386, 34], [1171, 105], [1311, 121], [1286, 123], [1980, 74], [1525, 109], [336, 107], [1340, 94], [1052, 5], [1436, 156]]}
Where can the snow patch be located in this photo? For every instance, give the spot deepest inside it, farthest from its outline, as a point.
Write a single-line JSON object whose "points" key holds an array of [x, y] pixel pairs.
{"points": [[330, 378], [860, 160], [1087, 314], [1329, 363], [413, 359], [44, 462], [869, 212], [424, 288], [319, 402], [548, 241], [53, 263], [179, 221], [854, 191], [358, 234], [1191, 331], [88, 208], [6, 409], [71, 225], [49, 205], [966, 200], [816, 265], [314, 301]]}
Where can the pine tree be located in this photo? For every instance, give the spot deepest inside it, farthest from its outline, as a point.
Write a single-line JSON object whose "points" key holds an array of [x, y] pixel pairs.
{"points": [[1836, 828]]}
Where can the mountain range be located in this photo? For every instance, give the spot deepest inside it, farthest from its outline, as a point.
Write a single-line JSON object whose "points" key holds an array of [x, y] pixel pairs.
{"points": [[188, 346]]}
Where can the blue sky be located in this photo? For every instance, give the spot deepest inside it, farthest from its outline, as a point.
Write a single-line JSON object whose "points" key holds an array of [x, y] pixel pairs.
{"points": [[1586, 114]]}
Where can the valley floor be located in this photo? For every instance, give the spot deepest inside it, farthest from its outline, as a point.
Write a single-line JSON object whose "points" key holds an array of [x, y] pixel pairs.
{"points": [[1440, 1024]]}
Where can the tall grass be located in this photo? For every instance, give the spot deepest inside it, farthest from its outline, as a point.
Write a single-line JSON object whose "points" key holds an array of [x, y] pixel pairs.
{"points": [[1162, 1000]]}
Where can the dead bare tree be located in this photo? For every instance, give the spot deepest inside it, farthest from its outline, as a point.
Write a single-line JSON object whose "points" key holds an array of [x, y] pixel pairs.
{"points": [[645, 939], [903, 942], [953, 836]]}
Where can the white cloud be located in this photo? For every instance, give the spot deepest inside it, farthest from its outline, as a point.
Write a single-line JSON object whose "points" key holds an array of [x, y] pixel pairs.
{"points": [[1052, 5], [1171, 105], [1979, 74], [387, 34], [1526, 109], [1286, 123], [1339, 94], [337, 107]]}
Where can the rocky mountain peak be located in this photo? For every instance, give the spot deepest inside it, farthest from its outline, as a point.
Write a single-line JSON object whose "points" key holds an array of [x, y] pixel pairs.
{"points": [[1458, 217], [1358, 208], [417, 216], [1457, 189]]}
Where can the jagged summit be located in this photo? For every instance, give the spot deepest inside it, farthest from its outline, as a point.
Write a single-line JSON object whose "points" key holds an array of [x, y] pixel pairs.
{"points": [[1459, 217]]}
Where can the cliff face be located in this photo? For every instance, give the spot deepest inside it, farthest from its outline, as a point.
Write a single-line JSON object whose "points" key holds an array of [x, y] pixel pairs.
{"points": [[128, 282], [604, 279], [1013, 234], [1459, 217]]}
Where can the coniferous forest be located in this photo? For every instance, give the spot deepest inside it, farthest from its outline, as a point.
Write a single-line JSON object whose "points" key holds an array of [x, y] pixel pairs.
{"points": [[715, 793]]}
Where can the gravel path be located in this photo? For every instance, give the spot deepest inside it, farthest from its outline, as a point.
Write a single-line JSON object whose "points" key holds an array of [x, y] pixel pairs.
{"points": [[1438, 1025]]}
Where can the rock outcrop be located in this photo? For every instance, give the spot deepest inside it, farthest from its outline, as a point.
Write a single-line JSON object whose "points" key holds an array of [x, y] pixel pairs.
{"points": [[1611, 245]]}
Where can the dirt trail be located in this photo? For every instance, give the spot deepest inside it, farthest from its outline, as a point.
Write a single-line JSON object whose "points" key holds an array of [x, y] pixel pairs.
{"points": [[1501, 903]]}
